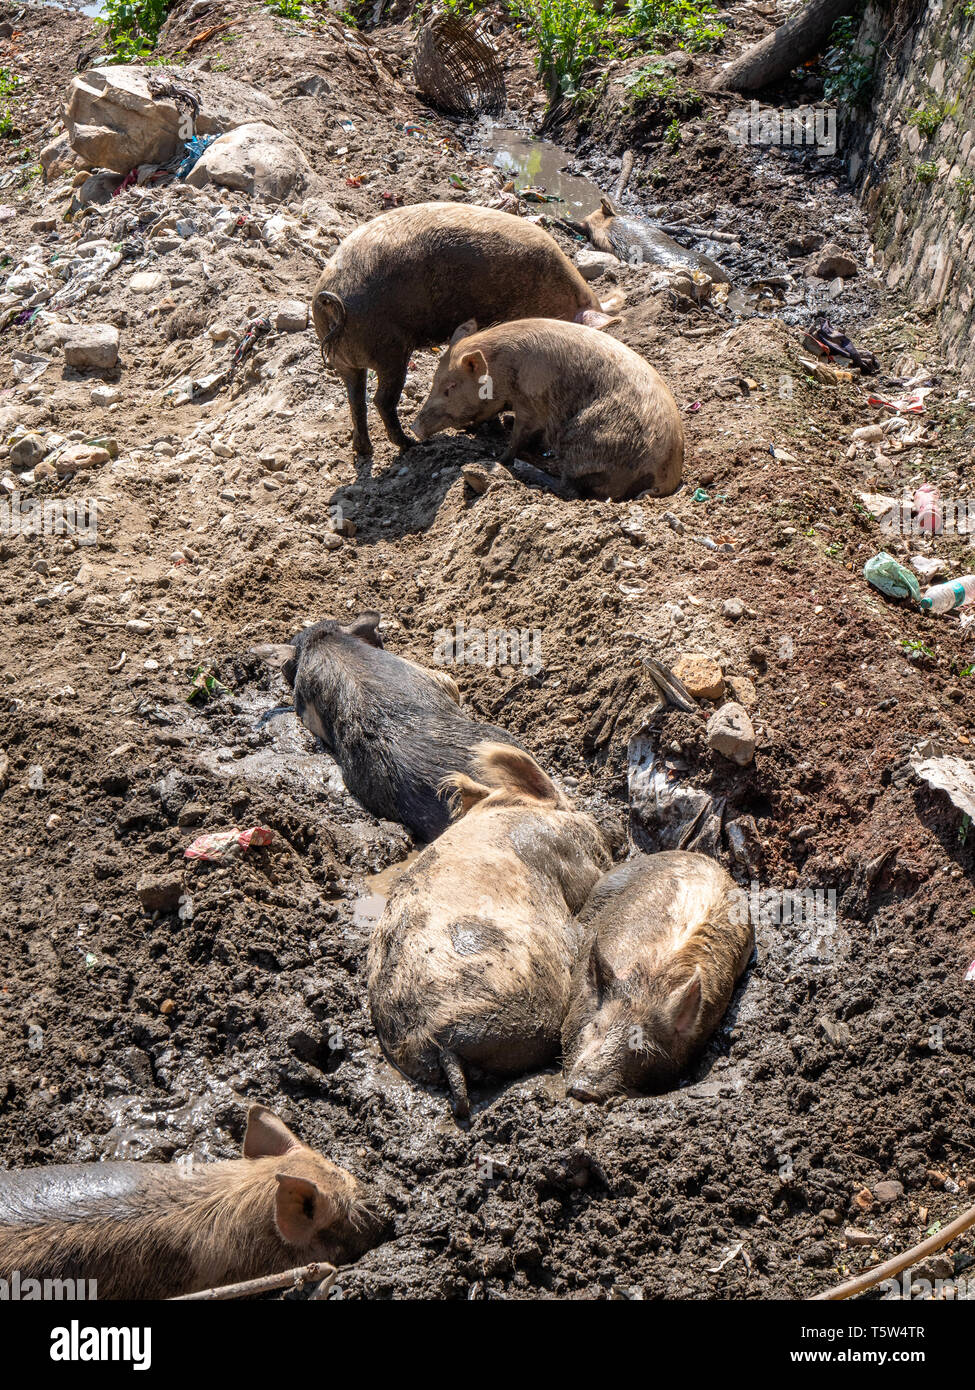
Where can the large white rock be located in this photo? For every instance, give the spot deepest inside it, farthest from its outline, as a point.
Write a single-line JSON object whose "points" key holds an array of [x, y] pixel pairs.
{"points": [[118, 117], [255, 158], [91, 346]]}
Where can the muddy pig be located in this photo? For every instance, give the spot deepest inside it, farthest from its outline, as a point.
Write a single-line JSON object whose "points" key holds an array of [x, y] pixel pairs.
{"points": [[407, 278], [471, 960], [157, 1230], [639, 242], [667, 937], [393, 727], [604, 414]]}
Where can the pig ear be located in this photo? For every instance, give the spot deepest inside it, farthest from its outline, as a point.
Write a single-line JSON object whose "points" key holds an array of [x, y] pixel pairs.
{"points": [[276, 653], [464, 330], [595, 318], [463, 792], [301, 1208], [474, 362], [685, 1004], [607, 207], [366, 628], [514, 770], [267, 1136], [600, 973]]}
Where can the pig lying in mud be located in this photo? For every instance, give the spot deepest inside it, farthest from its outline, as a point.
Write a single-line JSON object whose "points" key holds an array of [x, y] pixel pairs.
{"points": [[667, 940], [156, 1230], [410, 276], [471, 960], [607, 418], [393, 727], [639, 242]]}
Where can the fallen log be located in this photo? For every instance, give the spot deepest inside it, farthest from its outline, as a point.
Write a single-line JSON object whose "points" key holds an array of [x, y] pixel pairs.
{"points": [[800, 37]]}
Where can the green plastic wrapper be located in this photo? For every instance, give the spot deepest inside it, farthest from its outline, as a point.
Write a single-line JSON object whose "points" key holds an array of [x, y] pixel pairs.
{"points": [[892, 579]]}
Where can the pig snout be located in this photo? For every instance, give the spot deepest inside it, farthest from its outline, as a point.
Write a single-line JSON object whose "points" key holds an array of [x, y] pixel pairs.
{"points": [[596, 1073]]}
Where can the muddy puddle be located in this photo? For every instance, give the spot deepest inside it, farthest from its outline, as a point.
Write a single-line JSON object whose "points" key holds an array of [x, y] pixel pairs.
{"points": [[540, 166]]}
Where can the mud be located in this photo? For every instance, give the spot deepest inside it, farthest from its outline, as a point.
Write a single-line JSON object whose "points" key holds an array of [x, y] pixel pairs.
{"points": [[846, 1057]]}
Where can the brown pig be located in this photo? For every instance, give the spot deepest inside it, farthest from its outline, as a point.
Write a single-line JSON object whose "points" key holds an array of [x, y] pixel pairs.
{"points": [[668, 935], [471, 960], [157, 1230], [407, 278], [608, 420]]}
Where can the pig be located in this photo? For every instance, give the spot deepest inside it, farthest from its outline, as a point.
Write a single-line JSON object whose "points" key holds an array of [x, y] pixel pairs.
{"points": [[639, 242], [407, 278], [667, 937], [607, 418], [393, 727], [157, 1230], [470, 962]]}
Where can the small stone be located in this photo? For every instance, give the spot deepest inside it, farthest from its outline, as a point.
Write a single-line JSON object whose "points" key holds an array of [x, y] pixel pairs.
{"points": [[592, 264], [854, 1237], [701, 676], [147, 282], [733, 609], [832, 262], [167, 1006], [730, 733], [91, 346], [219, 332], [44, 472], [888, 1191], [159, 892], [138, 625], [292, 316], [105, 395], [743, 690], [27, 451], [80, 456], [193, 813], [477, 478]]}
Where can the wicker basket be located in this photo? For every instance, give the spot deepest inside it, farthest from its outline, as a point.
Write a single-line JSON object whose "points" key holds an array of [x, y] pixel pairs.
{"points": [[457, 69]]}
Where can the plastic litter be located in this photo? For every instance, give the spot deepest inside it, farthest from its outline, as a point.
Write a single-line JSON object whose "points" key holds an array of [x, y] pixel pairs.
{"points": [[955, 593], [228, 844], [927, 508], [912, 403], [892, 579]]}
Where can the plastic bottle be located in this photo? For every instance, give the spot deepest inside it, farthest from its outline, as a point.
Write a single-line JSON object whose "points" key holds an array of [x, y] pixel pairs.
{"points": [[957, 593], [927, 509]]}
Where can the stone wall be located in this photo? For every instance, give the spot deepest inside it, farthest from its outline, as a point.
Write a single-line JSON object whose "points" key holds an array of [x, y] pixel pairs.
{"points": [[918, 185]]}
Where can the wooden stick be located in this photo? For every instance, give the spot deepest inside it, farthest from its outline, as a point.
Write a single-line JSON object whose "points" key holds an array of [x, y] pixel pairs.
{"points": [[899, 1262], [297, 1278]]}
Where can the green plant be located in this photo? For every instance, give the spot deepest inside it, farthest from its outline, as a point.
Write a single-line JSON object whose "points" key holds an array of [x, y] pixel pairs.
{"points": [[568, 35], [9, 82], [672, 133], [928, 118], [7, 127], [926, 171], [916, 649], [287, 9], [680, 22], [850, 71], [132, 27]]}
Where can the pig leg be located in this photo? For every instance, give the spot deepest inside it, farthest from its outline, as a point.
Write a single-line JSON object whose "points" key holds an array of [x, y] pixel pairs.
{"points": [[524, 427], [456, 1082], [355, 387], [392, 375]]}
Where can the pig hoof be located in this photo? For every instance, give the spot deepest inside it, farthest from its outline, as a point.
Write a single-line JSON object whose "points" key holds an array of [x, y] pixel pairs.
{"points": [[404, 442], [457, 1083]]}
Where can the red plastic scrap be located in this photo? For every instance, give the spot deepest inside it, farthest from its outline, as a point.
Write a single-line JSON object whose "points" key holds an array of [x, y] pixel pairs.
{"points": [[226, 844]]}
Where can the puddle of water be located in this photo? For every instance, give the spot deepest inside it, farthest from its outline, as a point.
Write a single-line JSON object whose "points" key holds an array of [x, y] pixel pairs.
{"points": [[368, 908], [540, 164]]}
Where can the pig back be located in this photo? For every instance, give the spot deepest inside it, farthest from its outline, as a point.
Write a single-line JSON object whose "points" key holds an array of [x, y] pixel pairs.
{"points": [[416, 273], [79, 1191]]}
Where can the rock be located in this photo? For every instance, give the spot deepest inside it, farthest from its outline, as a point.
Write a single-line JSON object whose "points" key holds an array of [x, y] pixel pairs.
{"points": [[476, 476], [193, 813], [44, 472], [854, 1237], [733, 609], [159, 892], [105, 395], [292, 316], [97, 190], [730, 733], [58, 157], [832, 263], [701, 676], [255, 158], [118, 117], [27, 451], [743, 690], [592, 264], [80, 456], [937, 1267], [147, 282], [4, 770], [91, 346], [889, 1191]]}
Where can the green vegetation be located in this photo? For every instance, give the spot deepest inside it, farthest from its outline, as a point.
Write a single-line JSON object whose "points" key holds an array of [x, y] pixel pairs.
{"points": [[928, 118], [132, 27], [571, 35], [926, 171], [850, 74], [672, 133], [9, 82], [287, 9]]}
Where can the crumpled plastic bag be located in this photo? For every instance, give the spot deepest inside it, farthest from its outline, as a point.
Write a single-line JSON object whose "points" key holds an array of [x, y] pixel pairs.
{"points": [[222, 845], [892, 579]]}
